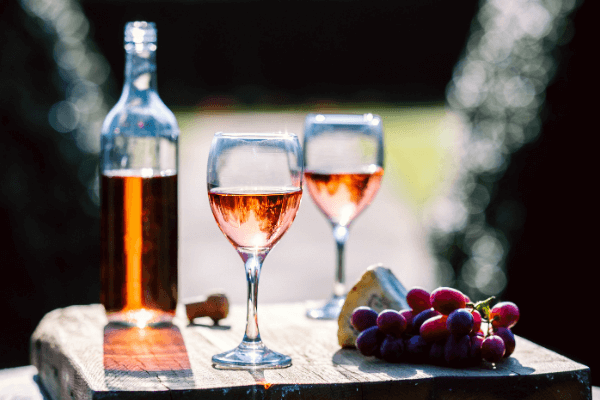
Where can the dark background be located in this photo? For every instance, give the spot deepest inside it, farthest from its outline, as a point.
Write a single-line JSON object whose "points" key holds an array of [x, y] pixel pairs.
{"points": [[552, 265], [292, 52], [273, 53]]}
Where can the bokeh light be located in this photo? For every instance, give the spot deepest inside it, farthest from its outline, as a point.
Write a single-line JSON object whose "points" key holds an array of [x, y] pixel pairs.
{"points": [[82, 72], [498, 90]]}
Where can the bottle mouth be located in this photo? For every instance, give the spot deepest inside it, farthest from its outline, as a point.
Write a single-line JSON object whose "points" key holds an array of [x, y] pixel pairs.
{"points": [[140, 32], [257, 135]]}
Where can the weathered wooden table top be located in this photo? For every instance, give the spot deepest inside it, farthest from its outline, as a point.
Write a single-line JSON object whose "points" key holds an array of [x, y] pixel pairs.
{"points": [[79, 356]]}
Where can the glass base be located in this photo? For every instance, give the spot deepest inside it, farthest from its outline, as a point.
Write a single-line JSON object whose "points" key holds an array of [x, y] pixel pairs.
{"points": [[141, 318], [250, 355], [331, 310]]}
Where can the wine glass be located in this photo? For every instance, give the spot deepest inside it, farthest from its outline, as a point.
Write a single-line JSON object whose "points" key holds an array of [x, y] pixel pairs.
{"points": [[254, 188], [343, 161]]}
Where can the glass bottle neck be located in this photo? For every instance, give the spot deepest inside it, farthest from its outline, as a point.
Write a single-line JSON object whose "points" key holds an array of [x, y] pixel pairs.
{"points": [[140, 71]]}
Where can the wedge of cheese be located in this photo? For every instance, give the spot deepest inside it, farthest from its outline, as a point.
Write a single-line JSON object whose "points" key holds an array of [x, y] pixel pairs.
{"points": [[379, 289]]}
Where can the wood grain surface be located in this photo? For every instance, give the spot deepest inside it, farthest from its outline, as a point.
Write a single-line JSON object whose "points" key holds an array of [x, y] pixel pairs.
{"points": [[79, 356]]}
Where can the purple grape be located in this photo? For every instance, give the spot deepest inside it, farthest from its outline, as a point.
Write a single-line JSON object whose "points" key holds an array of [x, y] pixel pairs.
{"points": [[408, 316], [456, 350], [434, 329], [475, 351], [504, 314], [476, 322], [446, 299], [418, 299], [508, 338], [417, 349], [460, 322], [492, 348], [436, 353], [422, 317], [391, 322], [369, 340], [363, 317], [392, 349]]}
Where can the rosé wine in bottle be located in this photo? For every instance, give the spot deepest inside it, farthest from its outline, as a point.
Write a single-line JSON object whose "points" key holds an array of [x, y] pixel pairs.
{"points": [[139, 247]]}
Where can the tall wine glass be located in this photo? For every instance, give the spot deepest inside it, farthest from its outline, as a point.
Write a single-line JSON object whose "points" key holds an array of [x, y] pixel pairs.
{"points": [[343, 161], [254, 189]]}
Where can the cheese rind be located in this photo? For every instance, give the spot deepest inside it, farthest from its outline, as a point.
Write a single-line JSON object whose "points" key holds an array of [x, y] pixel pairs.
{"points": [[379, 289]]}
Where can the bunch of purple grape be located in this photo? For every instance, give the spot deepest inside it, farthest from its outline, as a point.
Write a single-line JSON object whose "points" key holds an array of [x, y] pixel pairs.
{"points": [[442, 327]]}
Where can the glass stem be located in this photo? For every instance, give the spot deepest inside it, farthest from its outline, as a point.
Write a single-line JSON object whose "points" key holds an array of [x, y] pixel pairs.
{"points": [[340, 234], [253, 264]]}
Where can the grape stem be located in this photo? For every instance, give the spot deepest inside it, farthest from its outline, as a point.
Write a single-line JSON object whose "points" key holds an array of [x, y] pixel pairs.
{"points": [[483, 307]]}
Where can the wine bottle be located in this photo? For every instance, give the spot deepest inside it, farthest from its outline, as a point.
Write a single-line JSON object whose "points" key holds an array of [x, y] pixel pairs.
{"points": [[138, 168]]}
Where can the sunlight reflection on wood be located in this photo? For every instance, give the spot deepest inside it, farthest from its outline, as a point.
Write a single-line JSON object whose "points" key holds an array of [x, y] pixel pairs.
{"points": [[148, 358]]}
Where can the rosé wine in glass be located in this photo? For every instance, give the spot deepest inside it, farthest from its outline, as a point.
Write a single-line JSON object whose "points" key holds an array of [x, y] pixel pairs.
{"points": [[254, 184], [251, 217], [343, 196], [343, 161]]}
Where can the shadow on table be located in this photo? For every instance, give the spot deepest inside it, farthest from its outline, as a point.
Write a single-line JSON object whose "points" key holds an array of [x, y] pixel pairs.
{"points": [[513, 364], [211, 326], [350, 357], [146, 358]]}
